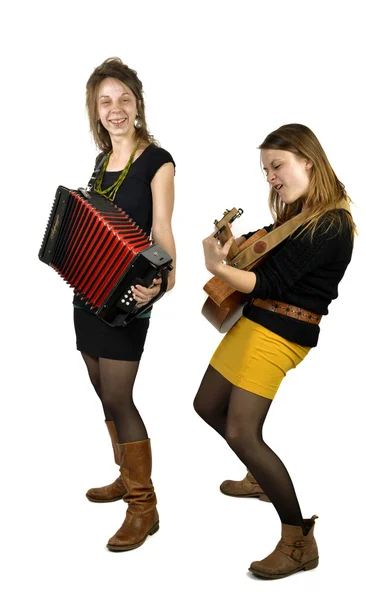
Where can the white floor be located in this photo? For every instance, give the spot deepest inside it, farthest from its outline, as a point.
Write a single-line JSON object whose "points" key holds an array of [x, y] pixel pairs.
{"points": [[56, 539]]}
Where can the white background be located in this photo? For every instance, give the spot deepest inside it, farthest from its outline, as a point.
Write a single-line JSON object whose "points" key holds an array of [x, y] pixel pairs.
{"points": [[218, 77]]}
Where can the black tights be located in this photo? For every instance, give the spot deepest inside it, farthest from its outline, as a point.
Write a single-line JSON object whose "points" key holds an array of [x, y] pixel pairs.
{"points": [[113, 381], [238, 416]]}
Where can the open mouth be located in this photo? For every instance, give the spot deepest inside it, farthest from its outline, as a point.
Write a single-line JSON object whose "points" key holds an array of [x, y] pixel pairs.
{"points": [[278, 187], [117, 121]]}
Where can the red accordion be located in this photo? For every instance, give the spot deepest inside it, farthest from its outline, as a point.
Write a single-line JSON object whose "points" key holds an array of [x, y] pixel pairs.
{"points": [[101, 253]]}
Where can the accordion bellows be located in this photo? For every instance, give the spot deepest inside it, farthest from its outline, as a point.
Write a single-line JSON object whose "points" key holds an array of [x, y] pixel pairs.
{"points": [[100, 252]]}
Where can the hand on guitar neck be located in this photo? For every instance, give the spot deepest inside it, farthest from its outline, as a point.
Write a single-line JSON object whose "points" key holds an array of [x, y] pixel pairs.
{"points": [[223, 232], [221, 246], [215, 252], [224, 305]]}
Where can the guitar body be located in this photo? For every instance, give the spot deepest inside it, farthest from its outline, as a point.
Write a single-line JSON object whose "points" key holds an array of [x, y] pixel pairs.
{"points": [[223, 317], [224, 305]]}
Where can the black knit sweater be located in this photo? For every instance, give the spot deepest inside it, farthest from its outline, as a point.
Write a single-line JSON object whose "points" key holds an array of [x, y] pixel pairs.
{"points": [[304, 273]]}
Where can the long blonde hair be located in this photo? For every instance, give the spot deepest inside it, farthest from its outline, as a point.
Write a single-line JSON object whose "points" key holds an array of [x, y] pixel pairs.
{"points": [[115, 68], [324, 189]]}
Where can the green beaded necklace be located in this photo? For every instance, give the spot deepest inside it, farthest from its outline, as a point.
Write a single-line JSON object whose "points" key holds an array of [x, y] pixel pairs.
{"points": [[110, 193]]}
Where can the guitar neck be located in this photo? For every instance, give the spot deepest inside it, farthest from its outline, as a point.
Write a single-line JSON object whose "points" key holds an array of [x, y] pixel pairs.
{"points": [[223, 226], [234, 248]]}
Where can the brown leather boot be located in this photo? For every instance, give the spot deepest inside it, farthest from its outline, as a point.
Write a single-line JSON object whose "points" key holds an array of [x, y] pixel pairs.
{"points": [[113, 491], [142, 518], [246, 488], [294, 552]]}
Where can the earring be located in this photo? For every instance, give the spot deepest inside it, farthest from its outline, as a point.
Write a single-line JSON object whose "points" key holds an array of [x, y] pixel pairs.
{"points": [[138, 122]]}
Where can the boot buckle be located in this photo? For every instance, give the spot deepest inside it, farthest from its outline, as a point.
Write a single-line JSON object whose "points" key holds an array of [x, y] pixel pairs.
{"points": [[297, 555]]}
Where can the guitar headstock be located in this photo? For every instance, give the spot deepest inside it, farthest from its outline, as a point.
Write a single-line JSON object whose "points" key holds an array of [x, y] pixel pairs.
{"points": [[223, 232], [228, 218]]}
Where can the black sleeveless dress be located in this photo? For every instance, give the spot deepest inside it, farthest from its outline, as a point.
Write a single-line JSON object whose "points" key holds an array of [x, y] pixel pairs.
{"points": [[93, 336]]}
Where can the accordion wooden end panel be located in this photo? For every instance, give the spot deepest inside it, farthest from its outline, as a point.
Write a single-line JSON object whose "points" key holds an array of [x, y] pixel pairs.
{"points": [[100, 252]]}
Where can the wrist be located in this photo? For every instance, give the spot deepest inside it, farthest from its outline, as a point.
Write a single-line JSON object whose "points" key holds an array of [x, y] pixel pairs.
{"points": [[218, 269]]}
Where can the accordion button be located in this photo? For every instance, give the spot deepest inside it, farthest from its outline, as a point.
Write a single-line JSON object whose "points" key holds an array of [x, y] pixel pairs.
{"points": [[128, 304]]}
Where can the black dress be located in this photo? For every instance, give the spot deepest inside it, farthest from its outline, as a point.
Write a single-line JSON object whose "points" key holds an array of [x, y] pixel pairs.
{"points": [[93, 336]]}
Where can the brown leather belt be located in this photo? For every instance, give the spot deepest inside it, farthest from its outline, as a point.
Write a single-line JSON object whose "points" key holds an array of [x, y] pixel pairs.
{"points": [[288, 310]]}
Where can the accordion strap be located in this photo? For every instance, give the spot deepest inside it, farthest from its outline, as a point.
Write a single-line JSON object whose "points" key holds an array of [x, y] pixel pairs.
{"points": [[252, 253], [164, 284], [95, 175]]}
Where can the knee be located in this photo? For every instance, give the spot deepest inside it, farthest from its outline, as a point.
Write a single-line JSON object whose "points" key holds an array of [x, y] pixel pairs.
{"points": [[203, 409], [233, 437], [197, 406], [240, 439], [117, 404]]}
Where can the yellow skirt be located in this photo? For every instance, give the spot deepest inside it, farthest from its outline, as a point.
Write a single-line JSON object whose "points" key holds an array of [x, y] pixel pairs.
{"points": [[255, 359]]}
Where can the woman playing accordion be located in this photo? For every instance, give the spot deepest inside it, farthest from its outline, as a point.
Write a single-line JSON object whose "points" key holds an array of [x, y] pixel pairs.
{"points": [[138, 177]]}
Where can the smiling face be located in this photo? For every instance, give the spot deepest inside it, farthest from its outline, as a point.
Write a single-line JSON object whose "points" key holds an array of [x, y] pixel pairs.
{"points": [[287, 172], [117, 108]]}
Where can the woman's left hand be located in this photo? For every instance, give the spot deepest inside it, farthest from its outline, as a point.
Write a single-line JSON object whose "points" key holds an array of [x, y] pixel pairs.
{"points": [[215, 254], [143, 295]]}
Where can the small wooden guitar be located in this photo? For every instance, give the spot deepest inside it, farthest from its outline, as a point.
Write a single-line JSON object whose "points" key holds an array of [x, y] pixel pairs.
{"points": [[224, 305]]}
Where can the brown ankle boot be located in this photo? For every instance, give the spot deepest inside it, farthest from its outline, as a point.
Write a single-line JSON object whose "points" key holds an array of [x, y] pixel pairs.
{"points": [[113, 491], [294, 552], [142, 518], [246, 488]]}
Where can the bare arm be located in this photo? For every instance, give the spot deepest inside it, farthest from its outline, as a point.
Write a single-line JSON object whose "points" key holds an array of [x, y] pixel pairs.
{"points": [[162, 187], [243, 281]]}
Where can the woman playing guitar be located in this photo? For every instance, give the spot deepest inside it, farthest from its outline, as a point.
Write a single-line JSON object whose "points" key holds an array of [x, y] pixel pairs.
{"points": [[288, 294]]}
